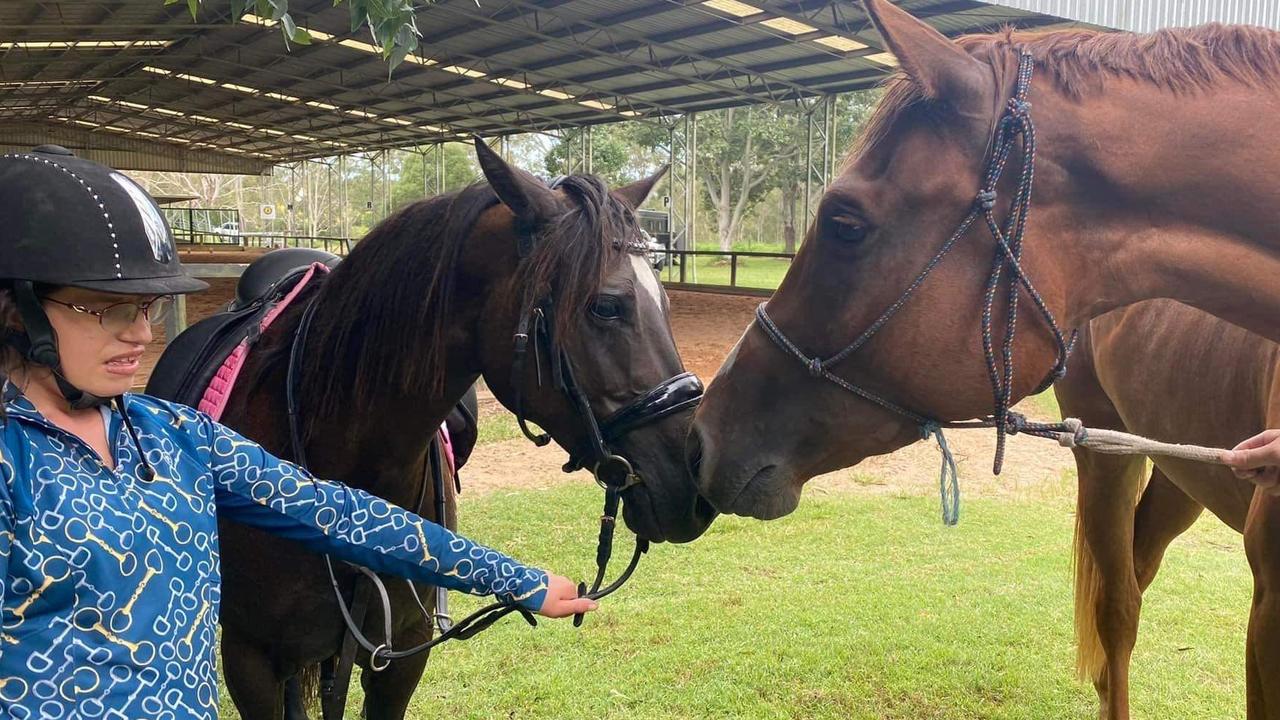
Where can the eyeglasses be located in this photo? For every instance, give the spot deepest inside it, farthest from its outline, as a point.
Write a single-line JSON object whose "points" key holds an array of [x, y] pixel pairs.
{"points": [[121, 316]]}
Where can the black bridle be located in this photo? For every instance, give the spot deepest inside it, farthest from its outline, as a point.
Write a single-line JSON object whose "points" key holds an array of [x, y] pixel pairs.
{"points": [[1013, 124], [612, 472]]}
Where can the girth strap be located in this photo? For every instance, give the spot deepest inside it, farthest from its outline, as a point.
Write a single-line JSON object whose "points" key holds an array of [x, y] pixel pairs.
{"points": [[333, 697]]}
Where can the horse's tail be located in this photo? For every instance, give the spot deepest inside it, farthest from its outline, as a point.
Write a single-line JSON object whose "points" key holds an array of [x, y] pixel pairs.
{"points": [[310, 680], [1090, 657]]}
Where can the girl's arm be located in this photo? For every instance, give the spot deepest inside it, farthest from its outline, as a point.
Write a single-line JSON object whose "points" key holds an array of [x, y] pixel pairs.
{"points": [[257, 489]]}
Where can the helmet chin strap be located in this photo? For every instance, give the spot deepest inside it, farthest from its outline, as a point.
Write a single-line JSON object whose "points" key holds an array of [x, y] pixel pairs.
{"points": [[40, 346]]}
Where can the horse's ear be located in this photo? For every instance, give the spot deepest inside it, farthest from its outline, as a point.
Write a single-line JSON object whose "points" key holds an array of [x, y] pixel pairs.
{"points": [[636, 193], [527, 197], [942, 69]]}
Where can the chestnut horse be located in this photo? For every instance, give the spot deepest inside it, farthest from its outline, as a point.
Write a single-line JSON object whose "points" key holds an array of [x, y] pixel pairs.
{"points": [[1216, 383], [1144, 187], [431, 300]]}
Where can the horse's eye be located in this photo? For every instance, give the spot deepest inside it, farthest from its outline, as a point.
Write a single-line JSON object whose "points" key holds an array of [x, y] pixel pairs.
{"points": [[606, 307], [849, 229]]}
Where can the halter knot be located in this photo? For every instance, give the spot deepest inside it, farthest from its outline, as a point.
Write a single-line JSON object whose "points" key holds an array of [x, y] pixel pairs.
{"points": [[928, 429], [1060, 370], [986, 199], [1014, 423], [1019, 107], [815, 367]]}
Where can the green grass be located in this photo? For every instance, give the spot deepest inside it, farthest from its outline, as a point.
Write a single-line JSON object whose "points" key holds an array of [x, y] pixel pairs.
{"points": [[1045, 405], [756, 273], [496, 424], [850, 608]]}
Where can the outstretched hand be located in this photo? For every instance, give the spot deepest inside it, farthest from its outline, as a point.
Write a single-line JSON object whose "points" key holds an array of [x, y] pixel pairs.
{"points": [[1257, 459], [562, 599]]}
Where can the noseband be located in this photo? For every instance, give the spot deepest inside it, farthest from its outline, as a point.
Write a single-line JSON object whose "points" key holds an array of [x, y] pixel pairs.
{"points": [[612, 471], [1012, 124]]}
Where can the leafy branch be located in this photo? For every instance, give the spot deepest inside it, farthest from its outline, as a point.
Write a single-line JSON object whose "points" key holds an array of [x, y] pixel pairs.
{"points": [[391, 22]]}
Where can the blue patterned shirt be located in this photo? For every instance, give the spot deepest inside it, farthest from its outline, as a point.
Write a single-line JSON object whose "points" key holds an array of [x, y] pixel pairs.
{"points": [[109, 601]]}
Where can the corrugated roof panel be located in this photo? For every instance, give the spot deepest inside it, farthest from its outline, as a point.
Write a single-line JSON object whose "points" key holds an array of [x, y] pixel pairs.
{"points": [[1148, 15], [662, 52], [125, 153]]}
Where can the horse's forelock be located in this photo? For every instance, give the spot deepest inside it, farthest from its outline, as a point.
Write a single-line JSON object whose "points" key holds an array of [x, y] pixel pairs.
{"points": [[575, 251]]}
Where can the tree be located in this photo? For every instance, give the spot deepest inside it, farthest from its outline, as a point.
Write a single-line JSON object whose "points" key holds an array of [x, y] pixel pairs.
{"points": [[743, 152], [852, 111], [460, 170], [620, 152], [211, 190]]}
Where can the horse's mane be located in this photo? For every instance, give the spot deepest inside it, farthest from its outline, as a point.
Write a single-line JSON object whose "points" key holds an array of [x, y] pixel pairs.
{"points": [[383, 313], [1080, 62]]}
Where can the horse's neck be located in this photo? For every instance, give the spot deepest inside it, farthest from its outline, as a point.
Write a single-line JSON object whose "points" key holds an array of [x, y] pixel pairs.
{"points": [[377, 443], [1165, 196], [373, 442]]}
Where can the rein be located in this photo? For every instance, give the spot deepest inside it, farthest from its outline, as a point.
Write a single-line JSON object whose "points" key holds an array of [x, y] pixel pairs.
{"points": [[612, 472], [1013, 125]]}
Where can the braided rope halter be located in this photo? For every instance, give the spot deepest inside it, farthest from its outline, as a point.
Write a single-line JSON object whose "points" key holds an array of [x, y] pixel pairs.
{"points": [[1014, 125]]}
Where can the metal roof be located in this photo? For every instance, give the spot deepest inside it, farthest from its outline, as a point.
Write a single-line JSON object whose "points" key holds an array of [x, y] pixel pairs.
{"points": [[1149, 15], [142, 80]]}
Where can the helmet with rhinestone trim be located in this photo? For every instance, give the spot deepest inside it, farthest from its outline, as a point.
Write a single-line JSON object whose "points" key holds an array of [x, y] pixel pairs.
{"points": [[65, 220], [69, 221]]}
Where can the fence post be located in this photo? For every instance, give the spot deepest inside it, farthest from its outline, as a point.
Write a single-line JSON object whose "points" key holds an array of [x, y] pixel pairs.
{"points": [[684, 260], [733, 269], [176, 322]]}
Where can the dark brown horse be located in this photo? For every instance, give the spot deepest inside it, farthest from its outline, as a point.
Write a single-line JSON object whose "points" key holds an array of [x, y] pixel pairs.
{"points": [[426, 304], [1215, 383], [1144, 187]]}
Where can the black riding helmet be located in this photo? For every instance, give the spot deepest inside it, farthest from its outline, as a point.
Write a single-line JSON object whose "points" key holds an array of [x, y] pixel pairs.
{"points": [[69, 221]]}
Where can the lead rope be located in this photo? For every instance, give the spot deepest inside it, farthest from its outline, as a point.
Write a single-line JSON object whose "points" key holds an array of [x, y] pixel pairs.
{"points": [[1072, 433], [948, 478]]}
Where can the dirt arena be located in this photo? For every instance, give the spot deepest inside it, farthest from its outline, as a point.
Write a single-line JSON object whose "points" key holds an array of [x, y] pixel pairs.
{"points": [[706, 326]]}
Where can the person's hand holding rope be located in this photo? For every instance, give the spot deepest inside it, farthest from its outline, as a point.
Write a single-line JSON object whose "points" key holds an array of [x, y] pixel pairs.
{"points": [[562, 599], [1257, 459]]}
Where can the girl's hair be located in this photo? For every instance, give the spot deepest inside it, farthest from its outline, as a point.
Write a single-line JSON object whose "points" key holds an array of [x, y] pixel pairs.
{"points": [[9, 323]]}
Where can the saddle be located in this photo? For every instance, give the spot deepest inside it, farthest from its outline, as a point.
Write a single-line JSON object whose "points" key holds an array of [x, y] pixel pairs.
{"points": [[194, 368], [199, 366]]}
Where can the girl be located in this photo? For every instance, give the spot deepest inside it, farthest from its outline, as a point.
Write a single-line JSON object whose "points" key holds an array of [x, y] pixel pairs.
{"points": [[109, 501]]}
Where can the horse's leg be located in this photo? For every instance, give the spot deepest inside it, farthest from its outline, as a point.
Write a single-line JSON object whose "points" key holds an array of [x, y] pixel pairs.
{"points": [[1107, 594], [1164, 513], [387, 693], [252, 679], [1262, 655], [295, 705]]}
